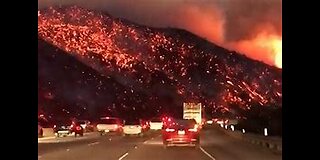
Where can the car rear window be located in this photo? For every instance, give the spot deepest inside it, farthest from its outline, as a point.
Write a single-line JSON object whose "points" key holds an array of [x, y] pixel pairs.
{"points": [[156, 120], [185, 122], [108, 121], [82, 122], [133, 122]]}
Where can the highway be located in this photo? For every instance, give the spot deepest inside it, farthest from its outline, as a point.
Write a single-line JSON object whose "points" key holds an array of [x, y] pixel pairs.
{"points": [[215, 145]]}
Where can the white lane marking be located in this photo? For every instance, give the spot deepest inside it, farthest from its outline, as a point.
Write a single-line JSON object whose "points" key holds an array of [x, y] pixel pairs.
{"points": [[94, 143], [205, 152], [123, 156]]}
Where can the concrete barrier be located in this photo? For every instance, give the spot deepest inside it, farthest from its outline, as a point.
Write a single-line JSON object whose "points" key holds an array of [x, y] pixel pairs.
{"points": [[48, 132], [273, 143]]}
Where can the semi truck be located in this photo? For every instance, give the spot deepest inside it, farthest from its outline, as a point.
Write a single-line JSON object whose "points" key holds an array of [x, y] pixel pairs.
{"points": [[192, 111]]}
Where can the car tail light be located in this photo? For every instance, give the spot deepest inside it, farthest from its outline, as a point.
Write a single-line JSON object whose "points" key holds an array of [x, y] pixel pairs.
{"points": [[78, 128], [170, 130], [54, 126], [193, 129]]}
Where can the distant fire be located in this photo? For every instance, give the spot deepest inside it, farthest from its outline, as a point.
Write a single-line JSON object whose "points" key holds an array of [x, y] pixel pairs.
{"points": [[278, 52], [266, 47]]}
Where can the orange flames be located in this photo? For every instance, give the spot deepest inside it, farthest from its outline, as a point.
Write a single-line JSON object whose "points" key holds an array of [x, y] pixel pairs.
{"points": [[264, 46], [278, 52]]}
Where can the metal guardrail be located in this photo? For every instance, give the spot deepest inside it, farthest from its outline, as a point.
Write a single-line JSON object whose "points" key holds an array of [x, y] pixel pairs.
{"points": [[273, 143]]}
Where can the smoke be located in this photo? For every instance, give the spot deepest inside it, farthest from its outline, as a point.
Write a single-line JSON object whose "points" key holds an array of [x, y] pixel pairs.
{"points": [[234, 24]]}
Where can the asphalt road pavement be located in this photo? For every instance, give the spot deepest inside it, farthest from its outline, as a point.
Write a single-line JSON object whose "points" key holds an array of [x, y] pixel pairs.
{"points": [[215, 145]]}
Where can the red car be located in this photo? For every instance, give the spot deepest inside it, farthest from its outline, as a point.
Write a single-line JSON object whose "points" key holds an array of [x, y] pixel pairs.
{"points": [[181, 131]]}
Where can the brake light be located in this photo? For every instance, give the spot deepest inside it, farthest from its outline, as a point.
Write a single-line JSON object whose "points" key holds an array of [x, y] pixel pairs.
{"points": [[193, 130], [170, 130], [78, 128]]}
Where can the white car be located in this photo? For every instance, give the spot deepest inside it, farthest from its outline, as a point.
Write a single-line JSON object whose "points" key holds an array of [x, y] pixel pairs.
{"points": [[156, 124], [110, 124], [133, 127]]}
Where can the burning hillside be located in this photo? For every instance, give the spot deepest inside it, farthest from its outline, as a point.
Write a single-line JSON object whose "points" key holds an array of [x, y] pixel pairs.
{"points": [[194, 68]]}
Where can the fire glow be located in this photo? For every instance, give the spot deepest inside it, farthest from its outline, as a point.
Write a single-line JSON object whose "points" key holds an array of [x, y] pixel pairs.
{"points": [[265, 46], [87, 34]]}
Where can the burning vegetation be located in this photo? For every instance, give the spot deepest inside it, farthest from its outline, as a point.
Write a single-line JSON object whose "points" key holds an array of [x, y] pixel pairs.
{"points": [[153, 62]]}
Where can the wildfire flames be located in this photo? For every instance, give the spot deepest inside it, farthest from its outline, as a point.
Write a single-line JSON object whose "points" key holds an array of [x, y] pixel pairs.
{"points": [[265, 46], [278, 52], [89, 35]]}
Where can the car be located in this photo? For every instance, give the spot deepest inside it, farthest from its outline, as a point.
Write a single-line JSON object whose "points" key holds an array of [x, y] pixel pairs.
{"points": [[156, 124], [166, 121], [181, 131], [40, 130], [145, 125], [86, 125], [61, 128], [134, 127], [64, 128], [76, 128], [110, 125]]}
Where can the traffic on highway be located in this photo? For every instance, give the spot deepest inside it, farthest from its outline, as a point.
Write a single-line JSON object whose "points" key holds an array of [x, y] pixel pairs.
{"points": [[159, 80], [113, 138]]}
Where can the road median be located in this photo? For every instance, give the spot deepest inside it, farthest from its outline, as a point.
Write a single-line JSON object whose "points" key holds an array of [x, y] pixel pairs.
{"points": [[273, 143]]}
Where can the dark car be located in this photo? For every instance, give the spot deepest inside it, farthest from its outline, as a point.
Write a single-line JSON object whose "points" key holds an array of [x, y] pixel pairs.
{"points": [[145, 125], [76, 128], [86, 125], [64, 128], [181, 131]]}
